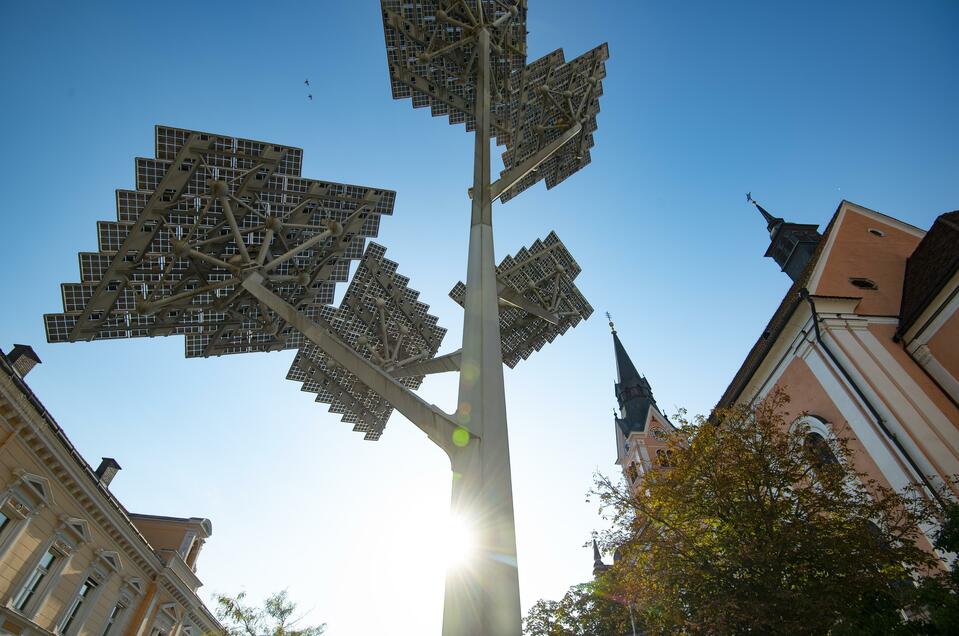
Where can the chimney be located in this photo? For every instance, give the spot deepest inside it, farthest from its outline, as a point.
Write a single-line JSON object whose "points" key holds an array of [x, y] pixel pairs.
{"points": [[107, 471], [23, 358]]}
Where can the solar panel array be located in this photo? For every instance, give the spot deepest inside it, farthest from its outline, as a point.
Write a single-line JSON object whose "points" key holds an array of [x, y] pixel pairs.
{"points": [[205, 210], [381, 318], [555, 97], [431, 52], [543, 274]]}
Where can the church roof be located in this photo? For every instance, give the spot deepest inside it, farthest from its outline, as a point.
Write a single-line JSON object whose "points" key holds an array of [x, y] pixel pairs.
{"points": [[598, 566], [790, 302], [772, 222], [633, 392], [625, 369], [776, 324], [934, 262]]}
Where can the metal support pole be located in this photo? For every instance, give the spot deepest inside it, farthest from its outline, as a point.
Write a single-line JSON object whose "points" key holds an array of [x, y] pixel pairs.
{"points": [[438, 426], [482, 596]]}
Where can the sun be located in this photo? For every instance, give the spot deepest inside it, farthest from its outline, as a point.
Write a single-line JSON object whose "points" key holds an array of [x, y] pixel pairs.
{"points": [[457, 544]]}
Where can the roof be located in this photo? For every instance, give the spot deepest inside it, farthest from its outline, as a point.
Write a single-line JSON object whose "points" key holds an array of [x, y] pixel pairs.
{"points": [[625, 369], [23, 350], [633, 392], [776, 324], [933, 263], [7, 368], [772, 222]]}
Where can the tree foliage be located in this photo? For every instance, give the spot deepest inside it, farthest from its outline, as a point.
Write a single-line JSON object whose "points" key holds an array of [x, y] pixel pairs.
{"points": [[938, 592], [584, 610], [275, 618], [757, 530]]}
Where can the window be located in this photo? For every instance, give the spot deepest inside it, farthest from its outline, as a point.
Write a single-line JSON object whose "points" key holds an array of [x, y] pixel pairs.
{"points": [[876, 232], [82, 595], [15, 509], [863, 283], [113, 618], [664, 457], [818, 448], [32, 584]]}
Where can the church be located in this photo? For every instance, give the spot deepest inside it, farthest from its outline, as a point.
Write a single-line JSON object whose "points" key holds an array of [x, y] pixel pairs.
{"points": [[865, 343]]}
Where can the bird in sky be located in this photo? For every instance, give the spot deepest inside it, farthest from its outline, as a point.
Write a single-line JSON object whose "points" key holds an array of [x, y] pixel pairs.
{"points": [[310, 96], [307, 82]]}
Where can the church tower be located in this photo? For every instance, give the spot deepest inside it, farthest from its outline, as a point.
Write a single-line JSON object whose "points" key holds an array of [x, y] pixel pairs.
{"points": [[791, 245], [641, 428]]}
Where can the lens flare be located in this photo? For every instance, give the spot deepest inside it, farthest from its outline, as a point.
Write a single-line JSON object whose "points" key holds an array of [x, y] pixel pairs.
{"points": [[459, 542]]}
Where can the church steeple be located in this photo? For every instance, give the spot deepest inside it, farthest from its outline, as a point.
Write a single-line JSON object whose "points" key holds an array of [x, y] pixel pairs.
{"points": [[633, 392], [791, 245], [772, 222], [598, 566]]}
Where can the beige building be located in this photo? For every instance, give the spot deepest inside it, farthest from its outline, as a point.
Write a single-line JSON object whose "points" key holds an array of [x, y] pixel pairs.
{"points": [[73, 561], [865, 342]]}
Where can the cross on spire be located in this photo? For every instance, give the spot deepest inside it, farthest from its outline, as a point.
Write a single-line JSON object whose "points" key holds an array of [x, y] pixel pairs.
{"points": [[612, 325]]}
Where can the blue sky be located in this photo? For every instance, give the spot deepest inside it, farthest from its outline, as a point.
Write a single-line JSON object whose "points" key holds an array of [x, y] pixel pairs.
{"points": [[804, 104]]}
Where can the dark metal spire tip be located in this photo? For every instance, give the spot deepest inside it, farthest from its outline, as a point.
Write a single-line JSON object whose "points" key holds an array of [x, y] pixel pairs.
{"points": [[772, 222]]}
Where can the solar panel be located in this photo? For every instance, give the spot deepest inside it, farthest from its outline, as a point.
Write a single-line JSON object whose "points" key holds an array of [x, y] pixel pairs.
{"points": [[555, 97], [382, 319], [543, 275], [206, 210], [431, 53]]}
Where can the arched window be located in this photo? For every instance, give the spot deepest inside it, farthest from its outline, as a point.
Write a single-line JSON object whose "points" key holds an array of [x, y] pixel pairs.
{"points": [[664, 457], [817, 446], [818, 440]]}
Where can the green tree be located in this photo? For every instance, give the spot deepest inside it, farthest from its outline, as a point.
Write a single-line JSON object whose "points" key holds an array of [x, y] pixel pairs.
{"points": [[275, 618], [936, 611], [759, 528], [583, 611]]}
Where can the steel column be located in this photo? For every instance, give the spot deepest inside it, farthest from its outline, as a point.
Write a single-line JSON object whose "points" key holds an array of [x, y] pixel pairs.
{"points": [[482, 596]]}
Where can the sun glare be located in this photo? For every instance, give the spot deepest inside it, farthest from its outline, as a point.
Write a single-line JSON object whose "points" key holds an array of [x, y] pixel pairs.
{"points": [[458, 542]]}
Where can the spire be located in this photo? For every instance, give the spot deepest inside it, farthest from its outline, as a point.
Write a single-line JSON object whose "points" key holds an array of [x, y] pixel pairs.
{"points": [[791, 245], [632, 391], [625, 369], [598, 566], [772, 222]]}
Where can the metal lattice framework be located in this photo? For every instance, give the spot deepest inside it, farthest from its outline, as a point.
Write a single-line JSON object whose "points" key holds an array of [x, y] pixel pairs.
{"points": [[206, 211], [380, 318], [558, 105], [541, 276], [431, 48]]}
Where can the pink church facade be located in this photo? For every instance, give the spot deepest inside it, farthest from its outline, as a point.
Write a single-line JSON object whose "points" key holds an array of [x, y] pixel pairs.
{"points": [[866, 343]]}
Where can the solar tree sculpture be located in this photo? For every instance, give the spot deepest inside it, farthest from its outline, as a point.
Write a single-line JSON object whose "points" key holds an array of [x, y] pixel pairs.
{"points": [[467, 59], [224, 242]]}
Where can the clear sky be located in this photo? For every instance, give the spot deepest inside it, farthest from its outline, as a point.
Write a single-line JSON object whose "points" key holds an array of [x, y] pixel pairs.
{"points": [[803, 103]]}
